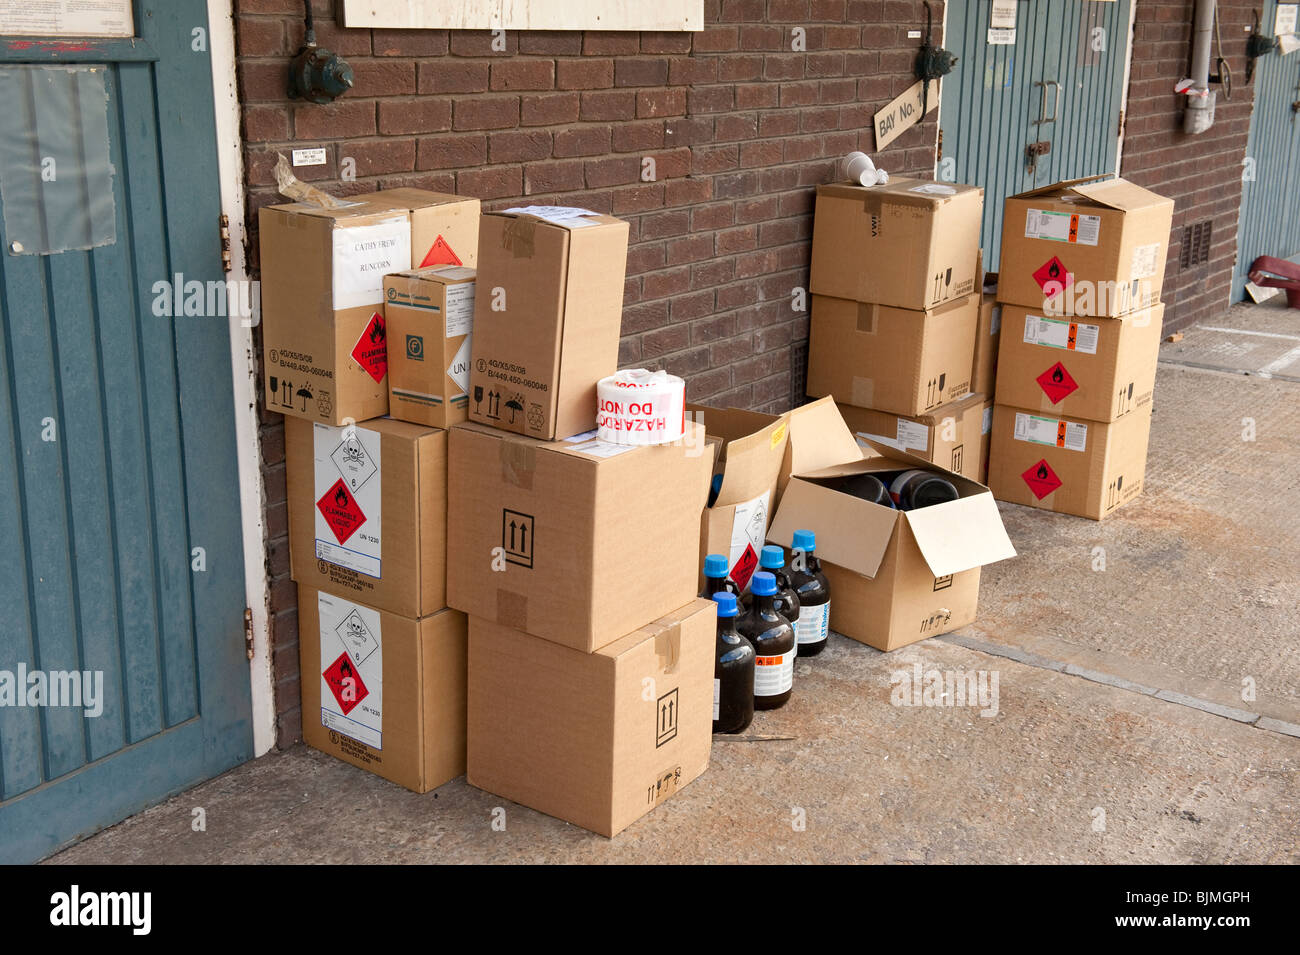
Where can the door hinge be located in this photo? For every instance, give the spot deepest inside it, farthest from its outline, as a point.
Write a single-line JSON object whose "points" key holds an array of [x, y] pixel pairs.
{"points": [[248, 628], [939, 148], [1120, 131], [224, 227]]}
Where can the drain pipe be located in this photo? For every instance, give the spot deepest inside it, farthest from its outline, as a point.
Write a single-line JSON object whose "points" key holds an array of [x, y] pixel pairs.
{"points": [[1198, 114]]}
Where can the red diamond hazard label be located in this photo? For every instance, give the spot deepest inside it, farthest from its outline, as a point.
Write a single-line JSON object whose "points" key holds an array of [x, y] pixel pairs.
{"points": [[344, 681], [371, 349], [1052, 277], [745, 566], [440, 253], [341, 511], [1042, 480], [1056, 383]]}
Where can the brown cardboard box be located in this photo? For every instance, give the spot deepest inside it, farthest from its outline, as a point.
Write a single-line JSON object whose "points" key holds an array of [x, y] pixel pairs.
{"points": [[986, 440], [547, 319], [896, 576], [1085, 247], [949, 436], [403, 717], [988, 334], [367, 512], [909, 243], [578, 541], [1085, 468], [1098, 369], [430, 315], [891, 359], [750, 451], [577, 735], [323, 329]]}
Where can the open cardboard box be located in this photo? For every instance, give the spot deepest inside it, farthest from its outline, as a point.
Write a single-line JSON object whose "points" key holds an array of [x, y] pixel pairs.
{"points": [[749, 449], [896, 576]]}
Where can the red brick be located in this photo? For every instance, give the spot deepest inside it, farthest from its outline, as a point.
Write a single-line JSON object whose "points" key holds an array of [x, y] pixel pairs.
{"points": [[257, 37], [523, 75], [481, 43], [450, 152], [605, 105], [548, 109], [519, 146], [614, 171], [584, 74], [563, 176], [490, 182], [423, 115], [345, 119], [410, 42], [449, 76], [610, 43], [640, 71], [666, 102], [384, 77], [582, 141], [377, 157], [265, 124], [551, 43], [496, 113]]}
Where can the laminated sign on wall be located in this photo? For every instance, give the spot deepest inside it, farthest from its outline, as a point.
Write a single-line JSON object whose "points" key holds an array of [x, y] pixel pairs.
{"points": [[348, 498], [352, 668]]}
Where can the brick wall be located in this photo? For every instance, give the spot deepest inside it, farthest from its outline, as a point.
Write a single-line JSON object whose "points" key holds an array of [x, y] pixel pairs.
{"points": [[1201, 173], [740, 128]]}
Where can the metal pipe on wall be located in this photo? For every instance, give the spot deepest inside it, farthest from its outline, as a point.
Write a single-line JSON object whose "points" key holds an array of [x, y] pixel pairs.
{"points": [[1198, 114]]}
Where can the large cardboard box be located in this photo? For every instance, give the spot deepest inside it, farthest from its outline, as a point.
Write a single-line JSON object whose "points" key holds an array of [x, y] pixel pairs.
{"points": [[546, 319], [1099, 369], [597, 739], [1085, 468], [909, 243], [896, 576], [949, 436], [750, 452], [891, 359], [578, 541], [1085, 247], [402, 715], [988, 335], [367, 512], [323, 329], [430, 314]]}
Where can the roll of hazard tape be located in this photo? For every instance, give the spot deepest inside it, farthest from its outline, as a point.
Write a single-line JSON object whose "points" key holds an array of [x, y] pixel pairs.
{"points": [[636, 406]]}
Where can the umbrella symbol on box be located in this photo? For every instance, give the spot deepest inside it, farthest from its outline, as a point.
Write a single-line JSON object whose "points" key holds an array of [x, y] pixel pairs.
{"points": [[305, 394], [514, 404]]}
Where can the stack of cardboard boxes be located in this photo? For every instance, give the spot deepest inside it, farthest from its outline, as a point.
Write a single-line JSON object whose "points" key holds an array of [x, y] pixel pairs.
{"points": [[1079, 284], [896, 316]]}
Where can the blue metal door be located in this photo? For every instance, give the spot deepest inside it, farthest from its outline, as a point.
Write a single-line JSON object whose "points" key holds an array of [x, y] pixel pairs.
{"points": [[119, 493], [1045, 108], [1270, 211]]}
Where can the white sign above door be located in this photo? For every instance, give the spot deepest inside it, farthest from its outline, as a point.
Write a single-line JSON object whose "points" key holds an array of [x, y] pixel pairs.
{"points": [[65, 18]]}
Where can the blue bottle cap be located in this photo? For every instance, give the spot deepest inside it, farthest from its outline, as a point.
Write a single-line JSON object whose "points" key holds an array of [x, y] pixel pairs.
{"points": [[716, 484], [715, 565], [772, 556], [763, 584], [726, 604], [805, 541]]}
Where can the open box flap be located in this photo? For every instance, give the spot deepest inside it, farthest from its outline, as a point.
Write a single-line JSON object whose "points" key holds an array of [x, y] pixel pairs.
{"points": [[1062, 186], [959, 535], [819, 437], [1120, 194], [851, 533], [754, 451]]}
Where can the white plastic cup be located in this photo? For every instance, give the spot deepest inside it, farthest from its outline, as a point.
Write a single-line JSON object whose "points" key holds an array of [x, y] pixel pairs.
{"points": [[860, 169]]}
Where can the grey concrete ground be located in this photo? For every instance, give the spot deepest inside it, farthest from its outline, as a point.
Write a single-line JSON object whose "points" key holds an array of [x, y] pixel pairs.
{"points": [[1122, 734]]}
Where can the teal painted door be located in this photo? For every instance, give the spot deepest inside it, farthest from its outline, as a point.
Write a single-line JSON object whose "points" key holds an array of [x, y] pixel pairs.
{"points": [[1059, 85], [119, 494], [1270, 209]]}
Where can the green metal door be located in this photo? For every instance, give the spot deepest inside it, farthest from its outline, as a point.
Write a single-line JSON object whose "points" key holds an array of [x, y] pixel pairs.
{"points": [[1270, 210], [119, 493], [1044, 108]]}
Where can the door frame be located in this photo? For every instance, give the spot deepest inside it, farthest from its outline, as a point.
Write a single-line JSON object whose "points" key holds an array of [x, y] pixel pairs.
{"points": [[243, 363]]}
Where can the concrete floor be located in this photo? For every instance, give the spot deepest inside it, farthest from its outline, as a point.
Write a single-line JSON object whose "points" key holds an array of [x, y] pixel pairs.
{"points": [[1122, 733]]}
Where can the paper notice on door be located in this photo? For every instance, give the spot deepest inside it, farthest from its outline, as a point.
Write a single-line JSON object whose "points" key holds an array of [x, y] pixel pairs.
{"points": [[1285, 21], [748, 532], [1062, 226], [1003, 14], [1054, 333], [998, 37], [66, 18], [363, 255], [349, 496], [352, 670], [1053, 432]]}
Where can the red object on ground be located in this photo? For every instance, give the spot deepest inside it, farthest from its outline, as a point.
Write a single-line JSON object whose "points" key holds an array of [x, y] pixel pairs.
{"points": [[1289, 272]]}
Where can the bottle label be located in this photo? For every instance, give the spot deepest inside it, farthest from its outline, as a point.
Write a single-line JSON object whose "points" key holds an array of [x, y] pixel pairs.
{"points": [[774, 675], [814, 623], [717, 698]]}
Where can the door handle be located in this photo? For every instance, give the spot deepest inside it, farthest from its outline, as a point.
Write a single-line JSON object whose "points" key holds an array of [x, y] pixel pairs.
{"points": [[1043, 118]]}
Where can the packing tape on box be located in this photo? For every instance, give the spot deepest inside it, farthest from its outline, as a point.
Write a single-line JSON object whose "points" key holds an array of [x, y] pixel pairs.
{"points": [[640, 407]]}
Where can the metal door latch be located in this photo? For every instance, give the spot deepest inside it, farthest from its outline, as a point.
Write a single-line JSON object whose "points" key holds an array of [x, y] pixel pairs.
{"points": [[1034, 150]]}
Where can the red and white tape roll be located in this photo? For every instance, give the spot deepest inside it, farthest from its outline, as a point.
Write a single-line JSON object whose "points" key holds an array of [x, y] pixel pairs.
{"points": [[636, 406]]}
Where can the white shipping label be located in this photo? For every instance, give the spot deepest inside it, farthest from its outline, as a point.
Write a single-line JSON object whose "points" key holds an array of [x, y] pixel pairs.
{"points": [[458, 370], [602, 449], [1054, 333], [717, 698], [352, 670], [363, 255], [748, 532], [349, 495], [1054, 432], [460, 309], [567, 216], [1146, 261], [774, 674], [913, 436], [814, 623], [1062, 226]]}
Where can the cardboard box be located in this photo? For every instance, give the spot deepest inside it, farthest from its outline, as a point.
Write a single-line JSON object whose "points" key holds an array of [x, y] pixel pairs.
{"points": [[1085, 468], [547, 321], [430, 315], [1099, 369], [578, 541], [896, 576], [367, 512], [986, 440], [1085, 248], [988, 335], [323, 328], [909, 243], [575, 735], [949, 436], [403, 717], [750, 450], [891, 359]]}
